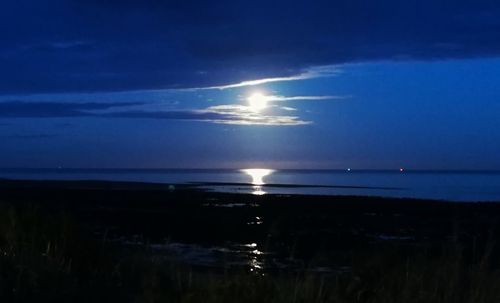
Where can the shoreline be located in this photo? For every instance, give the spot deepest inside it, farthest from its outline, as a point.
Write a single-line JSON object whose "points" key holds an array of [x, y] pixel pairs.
{"points": [[10, 184]]}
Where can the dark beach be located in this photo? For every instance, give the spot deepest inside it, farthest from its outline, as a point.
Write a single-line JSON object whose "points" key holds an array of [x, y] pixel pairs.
{"points": [[368, 243]]}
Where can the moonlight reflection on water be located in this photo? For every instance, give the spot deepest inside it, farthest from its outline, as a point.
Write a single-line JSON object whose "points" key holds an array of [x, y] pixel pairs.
{"points": [[257, 175]]}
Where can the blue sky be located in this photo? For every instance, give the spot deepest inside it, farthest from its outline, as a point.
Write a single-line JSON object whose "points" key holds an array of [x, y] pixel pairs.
{"points": [[368, 85]]}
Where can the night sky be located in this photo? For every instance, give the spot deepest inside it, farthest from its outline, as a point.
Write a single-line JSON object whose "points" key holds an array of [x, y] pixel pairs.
{"points": [[230, 84]]}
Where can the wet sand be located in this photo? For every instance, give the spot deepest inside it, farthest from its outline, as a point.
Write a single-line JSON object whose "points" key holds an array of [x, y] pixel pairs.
{"points": [[261, 233]]}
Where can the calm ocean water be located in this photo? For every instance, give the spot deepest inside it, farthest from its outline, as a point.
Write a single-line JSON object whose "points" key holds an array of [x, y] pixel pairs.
{"points": [[454, 186]]}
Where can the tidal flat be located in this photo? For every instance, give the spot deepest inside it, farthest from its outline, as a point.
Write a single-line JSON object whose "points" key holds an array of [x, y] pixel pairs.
{"points": [[137, 242]]}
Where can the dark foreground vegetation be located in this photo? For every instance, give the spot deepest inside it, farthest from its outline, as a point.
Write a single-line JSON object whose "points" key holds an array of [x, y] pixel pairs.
{"points": [[58, 243]]}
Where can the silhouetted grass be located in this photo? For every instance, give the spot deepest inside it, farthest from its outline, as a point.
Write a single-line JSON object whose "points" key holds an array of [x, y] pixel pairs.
{"points": [[47, 257]]}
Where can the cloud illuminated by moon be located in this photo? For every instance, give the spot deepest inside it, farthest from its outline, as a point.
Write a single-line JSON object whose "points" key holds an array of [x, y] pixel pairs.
{"points": [[311, 73], [258, 109], [259, 101]]}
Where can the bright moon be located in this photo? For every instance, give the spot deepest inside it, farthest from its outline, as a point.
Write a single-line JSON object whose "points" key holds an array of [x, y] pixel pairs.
{"points": [[257, 101]]}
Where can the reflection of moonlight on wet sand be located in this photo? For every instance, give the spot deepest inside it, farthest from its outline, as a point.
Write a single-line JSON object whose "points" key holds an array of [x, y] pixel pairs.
{"points": [[257, 175]]}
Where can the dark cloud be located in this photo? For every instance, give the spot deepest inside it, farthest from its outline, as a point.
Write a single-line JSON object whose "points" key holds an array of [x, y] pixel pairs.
{"points": [[56, 45], [19, 109]]}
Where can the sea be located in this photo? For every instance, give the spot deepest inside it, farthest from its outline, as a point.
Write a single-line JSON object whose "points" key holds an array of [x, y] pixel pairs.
{"points": [[465, 186]]}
